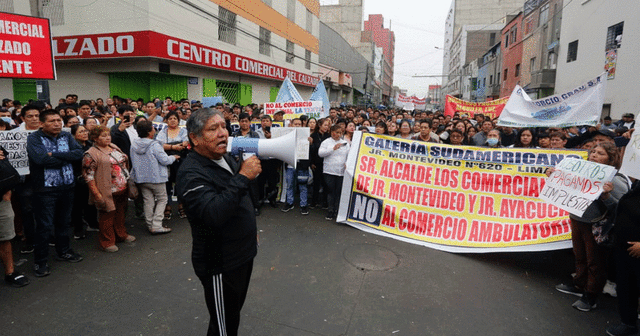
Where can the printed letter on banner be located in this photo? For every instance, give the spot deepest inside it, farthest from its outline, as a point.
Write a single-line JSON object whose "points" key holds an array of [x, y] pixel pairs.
{"points": [[453, 198], [575, 184]]}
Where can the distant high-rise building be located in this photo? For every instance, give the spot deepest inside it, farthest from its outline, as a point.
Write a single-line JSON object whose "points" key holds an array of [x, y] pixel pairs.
{"points": [[472, 27]]}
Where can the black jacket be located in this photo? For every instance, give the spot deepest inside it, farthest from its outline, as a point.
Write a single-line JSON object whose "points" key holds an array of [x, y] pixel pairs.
{"points": [[627, 218], [221, 214], [121, 139]]}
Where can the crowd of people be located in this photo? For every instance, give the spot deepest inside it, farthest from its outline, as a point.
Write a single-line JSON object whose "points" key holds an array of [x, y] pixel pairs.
{"points": [[120, 149]]}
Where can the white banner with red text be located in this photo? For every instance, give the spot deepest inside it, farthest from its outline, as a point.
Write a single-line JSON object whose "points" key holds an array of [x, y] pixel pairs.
{"points": [[453, 198]]}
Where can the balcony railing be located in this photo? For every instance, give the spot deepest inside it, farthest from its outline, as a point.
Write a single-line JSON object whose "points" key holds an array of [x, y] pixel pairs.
{"points": [[543, 79]]}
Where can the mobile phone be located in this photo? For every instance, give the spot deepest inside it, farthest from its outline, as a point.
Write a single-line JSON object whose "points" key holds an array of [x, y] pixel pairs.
{"points": [[126, 118], [267, 128]]}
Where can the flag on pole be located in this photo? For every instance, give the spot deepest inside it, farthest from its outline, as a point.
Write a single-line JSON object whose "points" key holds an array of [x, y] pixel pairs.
{"points": [[288, 92], [320, 94]]}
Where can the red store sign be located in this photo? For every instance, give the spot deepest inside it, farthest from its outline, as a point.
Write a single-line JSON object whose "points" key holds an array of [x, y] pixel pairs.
{"points": [[25, 47], [153, 44]]}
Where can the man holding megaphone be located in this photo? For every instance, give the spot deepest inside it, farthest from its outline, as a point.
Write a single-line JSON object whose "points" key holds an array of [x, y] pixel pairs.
{"points": [[214, 190]]}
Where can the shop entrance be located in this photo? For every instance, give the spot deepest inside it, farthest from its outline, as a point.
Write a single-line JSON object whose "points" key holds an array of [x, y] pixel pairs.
{"points": [[147, 85]]}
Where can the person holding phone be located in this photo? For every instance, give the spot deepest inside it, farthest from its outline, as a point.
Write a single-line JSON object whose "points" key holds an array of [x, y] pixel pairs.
{"points": [[123, 133], [334, 150]]}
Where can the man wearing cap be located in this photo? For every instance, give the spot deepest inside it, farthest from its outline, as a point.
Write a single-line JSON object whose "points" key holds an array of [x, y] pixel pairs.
{"points": [[627, 121]]}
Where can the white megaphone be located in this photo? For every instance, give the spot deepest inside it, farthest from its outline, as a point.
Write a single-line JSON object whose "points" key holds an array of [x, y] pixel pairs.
{"points": [[282, 148]]}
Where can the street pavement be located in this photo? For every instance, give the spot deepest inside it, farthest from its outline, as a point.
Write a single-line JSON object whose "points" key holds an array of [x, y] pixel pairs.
{"points": [[311, 277]]}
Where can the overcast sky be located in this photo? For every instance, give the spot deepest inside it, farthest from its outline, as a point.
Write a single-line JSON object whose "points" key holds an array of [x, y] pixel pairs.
{"points": [[419, 28]]}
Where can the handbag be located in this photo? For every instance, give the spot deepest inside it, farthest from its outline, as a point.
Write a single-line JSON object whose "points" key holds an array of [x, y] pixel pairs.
{"points": [[602, 231], [9, 176]]}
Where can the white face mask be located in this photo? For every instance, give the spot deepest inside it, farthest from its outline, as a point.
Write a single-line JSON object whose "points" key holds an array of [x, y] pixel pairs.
{"points": [[7, 119], [492, 141]]}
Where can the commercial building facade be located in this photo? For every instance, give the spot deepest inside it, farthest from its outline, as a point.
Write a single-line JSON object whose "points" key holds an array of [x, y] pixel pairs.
{"points": [[237, 50]]}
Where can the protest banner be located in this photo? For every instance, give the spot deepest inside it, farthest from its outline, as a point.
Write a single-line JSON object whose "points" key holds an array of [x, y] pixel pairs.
{"points": [[25, 43], [631, 160], [575, 184], [313, 109], [491, 108], [453, 198], [410, 102], [15, 143], [255, 125], [579, 106], [302, 139]]}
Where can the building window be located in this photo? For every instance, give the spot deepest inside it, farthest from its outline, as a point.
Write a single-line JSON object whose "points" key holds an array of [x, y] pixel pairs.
{"points": [[291, 10], [227, 26], [307, 59], [52, 10], [492, 39], [544, 14], [614, 36], [551, 60], [309, 22], [265, 41], [514, 34], [290, 54], [517, 70], [506, 40], [498, 78], [572, 52], [532, 64], [490, 79], [505, 74]]}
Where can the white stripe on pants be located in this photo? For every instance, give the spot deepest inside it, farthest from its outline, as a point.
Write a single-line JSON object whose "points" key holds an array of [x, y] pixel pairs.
{"points": [[218, 292]]}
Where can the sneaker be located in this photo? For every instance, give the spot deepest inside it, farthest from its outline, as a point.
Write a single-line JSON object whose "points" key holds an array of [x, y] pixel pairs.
{"points": [[312, 205], [70, 256], [622, 330], [610, 288], [160, 230], [325, 206], [329, 216], [52, 244], [16, 279], [111, 249], [256, 211], [26, 249], [79, 236], [584, 305], [569, 289], [41, 270], [304, 210], [90, 229], [287, 207], [130, 239]]}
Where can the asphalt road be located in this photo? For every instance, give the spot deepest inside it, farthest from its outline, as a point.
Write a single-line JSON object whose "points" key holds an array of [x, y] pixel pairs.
{"points": [[311, 277]]}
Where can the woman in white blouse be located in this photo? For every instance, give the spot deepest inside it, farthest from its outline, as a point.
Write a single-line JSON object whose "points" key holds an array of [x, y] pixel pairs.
{"points": [[334, 150]]}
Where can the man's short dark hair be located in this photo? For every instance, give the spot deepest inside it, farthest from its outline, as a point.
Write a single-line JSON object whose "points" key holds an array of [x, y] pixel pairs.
{"points": [[607, 118], [44, 114], [28, 108], [125, 108], [144, 128], [243, 116], [266, 117], [84, 102]]}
